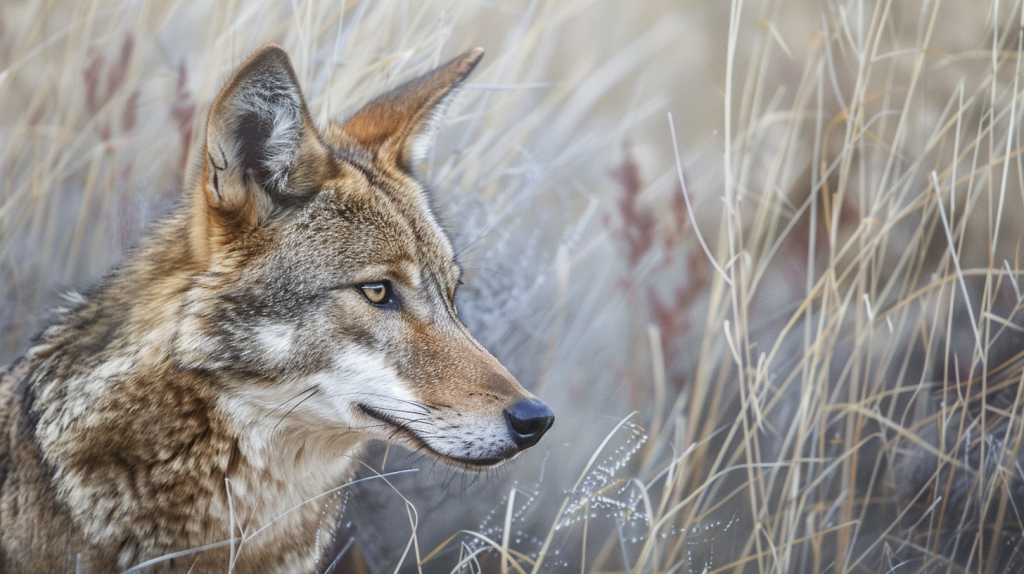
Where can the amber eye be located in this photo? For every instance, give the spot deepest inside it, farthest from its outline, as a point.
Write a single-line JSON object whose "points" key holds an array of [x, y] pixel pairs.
{"points": [[380, 294], [376, 293]]}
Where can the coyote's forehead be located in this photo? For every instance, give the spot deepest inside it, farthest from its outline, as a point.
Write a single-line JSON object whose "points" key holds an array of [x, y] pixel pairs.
{"points": [[380, 221], [355, 230]]}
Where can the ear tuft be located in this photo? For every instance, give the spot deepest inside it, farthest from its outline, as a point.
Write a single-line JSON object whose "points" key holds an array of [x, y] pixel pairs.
{"points": [[263, 154], [400, 125], [268, 127], [257, 126]]}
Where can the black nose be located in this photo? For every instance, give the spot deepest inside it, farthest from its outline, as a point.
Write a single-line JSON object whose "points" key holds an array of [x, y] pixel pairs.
{"points": [[528, 420]]}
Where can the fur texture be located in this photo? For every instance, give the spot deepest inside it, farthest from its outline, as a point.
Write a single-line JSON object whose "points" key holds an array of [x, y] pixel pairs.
{"points": [[231, 368]]}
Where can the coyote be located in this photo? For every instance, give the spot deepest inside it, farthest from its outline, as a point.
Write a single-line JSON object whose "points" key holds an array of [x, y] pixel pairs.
{"points": [[299, 303]]}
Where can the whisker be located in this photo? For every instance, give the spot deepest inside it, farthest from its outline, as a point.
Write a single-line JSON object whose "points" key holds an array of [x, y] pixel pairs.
{"points": [[291, 410]]}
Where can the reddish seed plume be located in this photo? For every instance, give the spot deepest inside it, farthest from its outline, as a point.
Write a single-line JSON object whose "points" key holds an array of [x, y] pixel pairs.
{"points": [[183, 109], [92, 82], [119, 70], [35, 114], [681, 218], [639, 229], [673, 317], [101, 88], [131, 112], [637, 221]]}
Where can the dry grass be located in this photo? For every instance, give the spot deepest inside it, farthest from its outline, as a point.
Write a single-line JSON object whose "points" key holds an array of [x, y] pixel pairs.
{"points": [[805, 281]]}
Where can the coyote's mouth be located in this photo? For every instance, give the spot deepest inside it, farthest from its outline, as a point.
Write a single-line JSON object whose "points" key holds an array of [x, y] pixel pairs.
{"points": [[403, 429]]}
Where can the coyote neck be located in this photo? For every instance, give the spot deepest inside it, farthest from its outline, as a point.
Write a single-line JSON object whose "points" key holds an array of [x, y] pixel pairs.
{"points": [[147, 456], [180, 473]]}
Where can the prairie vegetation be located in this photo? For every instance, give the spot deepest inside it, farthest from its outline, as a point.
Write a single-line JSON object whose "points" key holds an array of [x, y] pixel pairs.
{"points": [[762, 258]]}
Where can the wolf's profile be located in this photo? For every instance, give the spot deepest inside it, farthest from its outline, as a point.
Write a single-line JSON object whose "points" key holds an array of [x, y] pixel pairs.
{"points": [[296, 305]]}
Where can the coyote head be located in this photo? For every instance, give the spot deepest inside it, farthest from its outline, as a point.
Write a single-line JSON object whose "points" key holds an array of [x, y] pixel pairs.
{"points": [[324, 303]]}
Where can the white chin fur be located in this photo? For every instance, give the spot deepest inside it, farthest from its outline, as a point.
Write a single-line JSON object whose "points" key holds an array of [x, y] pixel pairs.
{"points": [[361, 378], [364, 378]]}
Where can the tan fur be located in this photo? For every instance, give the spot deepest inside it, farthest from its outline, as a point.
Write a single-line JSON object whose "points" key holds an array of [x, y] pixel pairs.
{"points": [[231, 368]]}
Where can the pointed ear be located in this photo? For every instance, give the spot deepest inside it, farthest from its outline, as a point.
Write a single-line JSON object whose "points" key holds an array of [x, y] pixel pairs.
{"points": [[263, 152], [400, 125]]}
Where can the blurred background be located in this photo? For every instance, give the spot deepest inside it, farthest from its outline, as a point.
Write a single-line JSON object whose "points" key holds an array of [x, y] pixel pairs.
{"points": [[761, 257]]}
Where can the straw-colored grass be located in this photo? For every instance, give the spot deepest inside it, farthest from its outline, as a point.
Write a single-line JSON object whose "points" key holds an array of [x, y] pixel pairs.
{"points": [[785, 235]]}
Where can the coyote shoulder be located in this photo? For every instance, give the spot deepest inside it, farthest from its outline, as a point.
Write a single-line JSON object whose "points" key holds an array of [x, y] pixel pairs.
{"points": [[298, 303]]}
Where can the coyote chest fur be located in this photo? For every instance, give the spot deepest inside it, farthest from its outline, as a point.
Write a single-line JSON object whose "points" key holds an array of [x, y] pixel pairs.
{"points": [[299, 303]]}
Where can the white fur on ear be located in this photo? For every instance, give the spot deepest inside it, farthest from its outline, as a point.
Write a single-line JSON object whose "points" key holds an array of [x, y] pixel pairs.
{"points": [[421, 143], [274, 104], [264, 156], [256, 129]]}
